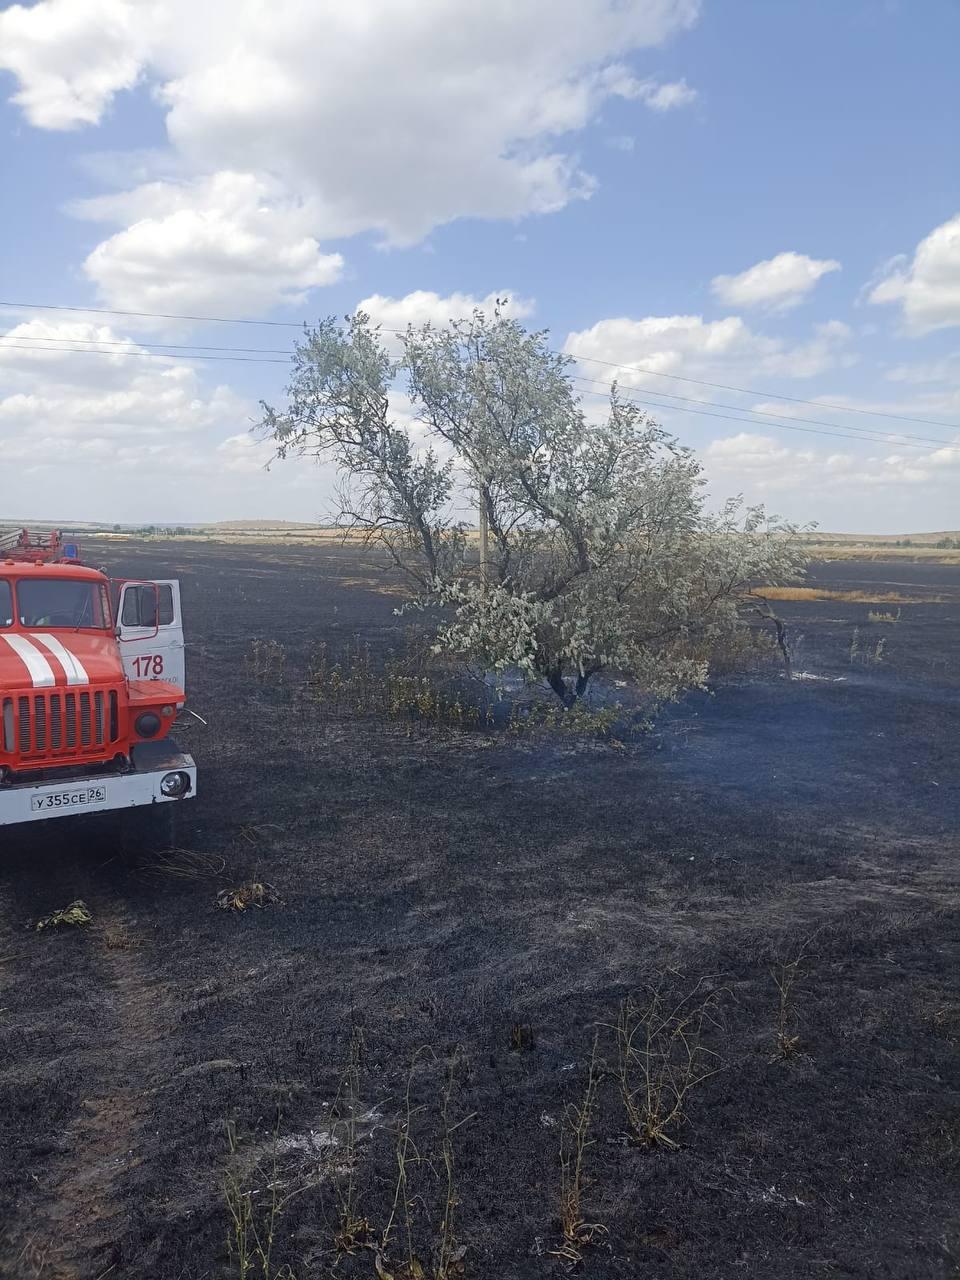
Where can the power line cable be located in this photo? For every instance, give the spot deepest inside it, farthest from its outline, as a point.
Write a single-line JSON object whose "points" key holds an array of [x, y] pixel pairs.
{"points": [[756, 419], [610, 364], [836, 430], [149, 315], [755, 422], [892, 436], [772, 395], [139, 342], [146, 355]]}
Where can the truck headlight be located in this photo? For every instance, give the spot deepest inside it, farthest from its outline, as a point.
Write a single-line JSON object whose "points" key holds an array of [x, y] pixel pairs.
{"points": [[148, 725], [175, 785]]}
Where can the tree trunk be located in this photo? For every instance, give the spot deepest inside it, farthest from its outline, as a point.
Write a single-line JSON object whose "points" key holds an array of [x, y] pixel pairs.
{"points": [[583, 679], [782, 639], [784, 646], [560, 687]]}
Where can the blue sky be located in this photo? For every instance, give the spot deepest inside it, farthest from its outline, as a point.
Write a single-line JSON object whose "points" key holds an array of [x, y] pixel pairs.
{"points": [[762, 195]]}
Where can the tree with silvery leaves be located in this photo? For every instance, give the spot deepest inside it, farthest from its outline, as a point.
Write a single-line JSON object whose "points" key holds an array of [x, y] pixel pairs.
{"points": [[603, 554]]}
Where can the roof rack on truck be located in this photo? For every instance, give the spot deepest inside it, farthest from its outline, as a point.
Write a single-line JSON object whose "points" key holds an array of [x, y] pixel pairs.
{"points": [[45, 546]]}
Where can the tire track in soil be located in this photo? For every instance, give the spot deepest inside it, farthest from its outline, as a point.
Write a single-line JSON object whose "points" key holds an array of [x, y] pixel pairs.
{"points": [[72, 1229]]}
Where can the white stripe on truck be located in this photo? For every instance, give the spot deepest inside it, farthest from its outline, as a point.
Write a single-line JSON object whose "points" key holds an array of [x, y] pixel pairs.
{"points": [[73, 668], [39, 669]]}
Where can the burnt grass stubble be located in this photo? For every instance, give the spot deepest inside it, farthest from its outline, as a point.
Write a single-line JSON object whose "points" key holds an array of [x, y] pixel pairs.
{"points": [[495, 900]]}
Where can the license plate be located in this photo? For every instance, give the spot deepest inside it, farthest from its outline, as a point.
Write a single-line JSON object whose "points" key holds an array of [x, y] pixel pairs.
{"points": [[78, 798]]}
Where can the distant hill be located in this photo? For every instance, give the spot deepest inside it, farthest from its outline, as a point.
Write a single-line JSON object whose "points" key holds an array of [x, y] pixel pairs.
{"points": [[235, 525], [304, 526], [919, 539]]}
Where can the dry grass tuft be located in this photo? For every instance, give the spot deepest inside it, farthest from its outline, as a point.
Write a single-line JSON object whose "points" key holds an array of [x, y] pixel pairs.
{"points": [[850, 597], [119, 938], [186, 864]]}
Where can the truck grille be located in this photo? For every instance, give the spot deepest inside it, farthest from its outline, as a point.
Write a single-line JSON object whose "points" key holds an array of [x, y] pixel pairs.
{"points": [[52, 726]]}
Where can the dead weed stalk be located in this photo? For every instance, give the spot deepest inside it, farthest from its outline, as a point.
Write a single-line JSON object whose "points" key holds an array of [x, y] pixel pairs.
{"points": [[786, 974], [447, 1255], [661, 1059], [266, 661], [575, 1139], [353, 1230]]}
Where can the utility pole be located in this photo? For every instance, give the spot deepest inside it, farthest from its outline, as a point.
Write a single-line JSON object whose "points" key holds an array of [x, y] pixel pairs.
{"points": [[484, 521], [484, 534]]}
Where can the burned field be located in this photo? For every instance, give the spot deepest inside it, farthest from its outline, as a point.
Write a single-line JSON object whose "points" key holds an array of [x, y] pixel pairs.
{"points": [[455, 951]]}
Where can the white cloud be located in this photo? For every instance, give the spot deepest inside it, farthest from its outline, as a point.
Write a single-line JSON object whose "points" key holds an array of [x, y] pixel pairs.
{"points": [[928, 288], [946, 369], [425, 307], [639, 352], [369, 116], [827, 349], [226, 243], [777, 283], [245, 454], [858, 487], [667, 97], [52, 386], [131, 436], [70, 57]]}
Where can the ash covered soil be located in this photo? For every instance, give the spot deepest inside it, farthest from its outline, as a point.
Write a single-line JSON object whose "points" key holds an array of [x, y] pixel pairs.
{"points": [[467, 911]]}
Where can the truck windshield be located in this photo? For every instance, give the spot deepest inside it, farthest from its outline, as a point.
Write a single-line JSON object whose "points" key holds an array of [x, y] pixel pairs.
{"points": [[6, 605], [57, 602]]}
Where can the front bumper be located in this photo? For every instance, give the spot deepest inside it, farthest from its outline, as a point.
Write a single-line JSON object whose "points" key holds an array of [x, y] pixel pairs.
{"points": [[66, 797]]}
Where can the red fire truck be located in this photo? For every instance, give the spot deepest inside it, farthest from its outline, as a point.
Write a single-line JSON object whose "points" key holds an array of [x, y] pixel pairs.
{"points": [[91, 681]]}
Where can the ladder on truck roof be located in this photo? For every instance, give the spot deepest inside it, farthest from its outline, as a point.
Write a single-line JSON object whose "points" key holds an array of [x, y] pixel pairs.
{"points": [[46, 547]]}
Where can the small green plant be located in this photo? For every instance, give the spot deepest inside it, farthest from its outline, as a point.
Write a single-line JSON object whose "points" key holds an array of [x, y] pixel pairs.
{"points": [[266, 661], [253, 1220], [661, 1059], [411, 1200], [575, 1140]]}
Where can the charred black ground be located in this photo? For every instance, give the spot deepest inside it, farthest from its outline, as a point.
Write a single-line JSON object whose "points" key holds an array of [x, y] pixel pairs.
{"points": [[488, 904]]}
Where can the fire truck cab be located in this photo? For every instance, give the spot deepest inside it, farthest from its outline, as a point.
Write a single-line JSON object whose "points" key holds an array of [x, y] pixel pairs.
{"points": [[91, 682]]}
